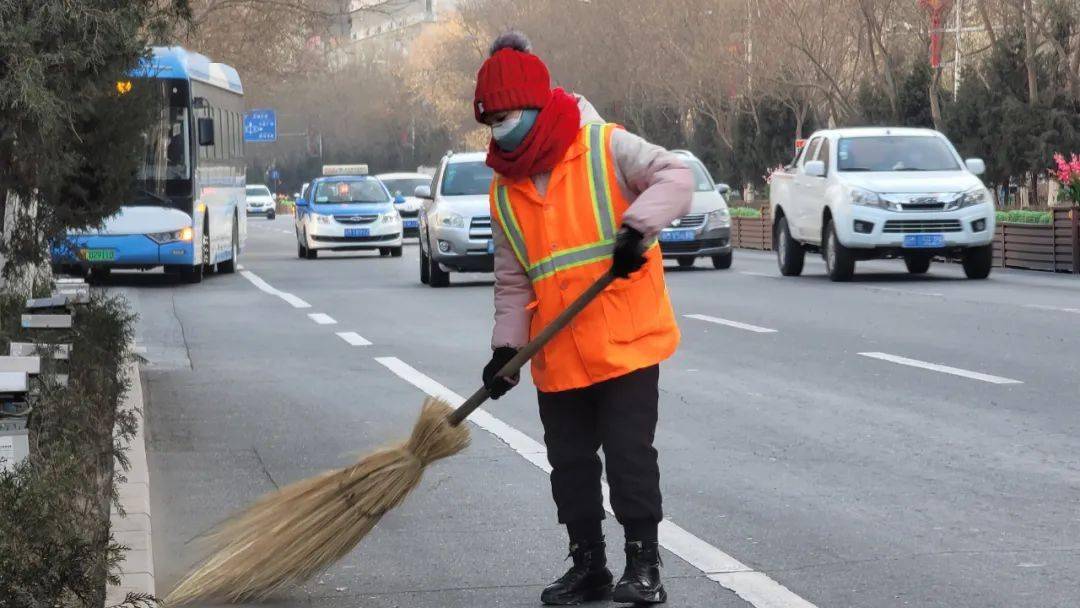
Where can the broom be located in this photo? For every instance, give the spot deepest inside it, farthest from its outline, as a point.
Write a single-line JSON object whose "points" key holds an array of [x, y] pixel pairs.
{"points": [[287, 537]]}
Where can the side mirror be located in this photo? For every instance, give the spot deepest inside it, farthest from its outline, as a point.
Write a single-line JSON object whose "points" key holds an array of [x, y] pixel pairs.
{"points": [[206, 131], [814, 168], [422, 192], [976, 165], [723, 188], [301, 202]]}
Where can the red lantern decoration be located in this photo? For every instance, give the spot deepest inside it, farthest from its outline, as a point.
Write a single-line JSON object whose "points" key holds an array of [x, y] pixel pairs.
{"points": [[936, 8]]}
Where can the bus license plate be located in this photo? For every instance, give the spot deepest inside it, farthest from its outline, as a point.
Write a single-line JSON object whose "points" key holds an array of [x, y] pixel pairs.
{"points": [[924, 241], [677, 235], [410, 223], [98, 255], [357, 232]]}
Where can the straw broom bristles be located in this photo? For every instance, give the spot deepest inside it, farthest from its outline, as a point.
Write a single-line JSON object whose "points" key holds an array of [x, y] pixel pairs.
{"points": [[290, 535]]}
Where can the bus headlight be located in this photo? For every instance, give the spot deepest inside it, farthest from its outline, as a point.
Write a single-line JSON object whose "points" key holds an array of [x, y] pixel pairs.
{"points": [[185, 234]]}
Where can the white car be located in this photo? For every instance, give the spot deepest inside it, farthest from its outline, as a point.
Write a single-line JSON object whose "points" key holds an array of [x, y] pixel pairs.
{"points": [[706, 230], [346, 210], [455, 225], [260, 201], [402, 187], [865, 193]]}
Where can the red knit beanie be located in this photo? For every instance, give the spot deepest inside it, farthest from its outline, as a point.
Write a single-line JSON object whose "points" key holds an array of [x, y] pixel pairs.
{"points": [[512, 78]]}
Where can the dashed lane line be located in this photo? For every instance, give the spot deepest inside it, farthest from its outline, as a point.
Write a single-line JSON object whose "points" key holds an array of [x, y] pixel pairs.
{"points": [[730, 323], [1075, 311], [944, 369], [265, 287], [751, 273], [755, 587], [353, 338], [322, 318]]}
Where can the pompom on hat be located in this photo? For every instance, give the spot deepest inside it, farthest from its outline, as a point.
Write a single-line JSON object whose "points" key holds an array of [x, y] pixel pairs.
{"points": [[512, 78]]}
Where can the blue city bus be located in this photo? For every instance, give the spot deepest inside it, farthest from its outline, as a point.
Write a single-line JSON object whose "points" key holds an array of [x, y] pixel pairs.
{"points": [[187, 212]]}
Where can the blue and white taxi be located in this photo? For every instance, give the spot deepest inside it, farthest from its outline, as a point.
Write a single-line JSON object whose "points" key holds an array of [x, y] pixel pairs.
{"points": [[347, 210]]}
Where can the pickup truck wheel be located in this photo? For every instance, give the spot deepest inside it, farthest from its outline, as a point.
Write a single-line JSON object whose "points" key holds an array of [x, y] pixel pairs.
{"points": [[839, 262], [685, 262], [790, 255], [917, 263], [978, 261]]}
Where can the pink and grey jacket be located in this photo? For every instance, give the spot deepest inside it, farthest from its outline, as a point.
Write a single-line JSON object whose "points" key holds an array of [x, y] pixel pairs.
{"points": [[659, 187]]}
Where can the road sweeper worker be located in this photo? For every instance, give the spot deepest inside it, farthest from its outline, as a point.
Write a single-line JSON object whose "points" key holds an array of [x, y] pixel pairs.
{"points": [[574, 197]]}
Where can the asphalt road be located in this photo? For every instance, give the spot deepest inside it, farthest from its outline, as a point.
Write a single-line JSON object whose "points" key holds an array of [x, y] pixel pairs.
{"points": [[814, 451]]}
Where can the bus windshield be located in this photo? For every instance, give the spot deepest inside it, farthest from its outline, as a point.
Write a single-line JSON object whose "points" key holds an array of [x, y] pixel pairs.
{"points": [[168, 154]]}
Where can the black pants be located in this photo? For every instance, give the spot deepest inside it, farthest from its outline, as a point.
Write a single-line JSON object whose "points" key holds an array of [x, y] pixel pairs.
{"points": [[620, 416]]}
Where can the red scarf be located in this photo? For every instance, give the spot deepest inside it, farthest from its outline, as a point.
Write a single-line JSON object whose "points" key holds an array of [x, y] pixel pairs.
{"points": [[556, 127]]}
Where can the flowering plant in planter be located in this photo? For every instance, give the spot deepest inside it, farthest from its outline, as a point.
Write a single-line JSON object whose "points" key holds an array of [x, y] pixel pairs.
{"points": [[1067, 173]]}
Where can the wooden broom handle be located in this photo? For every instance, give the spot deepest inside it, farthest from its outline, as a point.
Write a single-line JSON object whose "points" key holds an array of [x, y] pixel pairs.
{"points": [[514, 365]]}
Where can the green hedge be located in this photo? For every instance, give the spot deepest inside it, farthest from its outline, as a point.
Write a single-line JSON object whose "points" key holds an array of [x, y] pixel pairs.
{"points": [[1019, 216], [745, 212]]}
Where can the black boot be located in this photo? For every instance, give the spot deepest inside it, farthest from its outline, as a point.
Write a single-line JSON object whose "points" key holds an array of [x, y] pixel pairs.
{"points": [[640, 583], [588, 580]]}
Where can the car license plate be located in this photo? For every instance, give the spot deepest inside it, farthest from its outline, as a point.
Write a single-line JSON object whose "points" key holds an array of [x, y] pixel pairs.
{"points": [[98, 255], [410, 223], [924, 241], [677, 235], [357, 232], [491, 246]]}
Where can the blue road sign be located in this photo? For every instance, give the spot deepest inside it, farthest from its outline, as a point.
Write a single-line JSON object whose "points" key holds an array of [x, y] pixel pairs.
{"points": [[260, 125]]}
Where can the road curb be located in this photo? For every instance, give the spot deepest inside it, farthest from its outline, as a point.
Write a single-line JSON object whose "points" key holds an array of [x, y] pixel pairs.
{"points": [[133, 530]]}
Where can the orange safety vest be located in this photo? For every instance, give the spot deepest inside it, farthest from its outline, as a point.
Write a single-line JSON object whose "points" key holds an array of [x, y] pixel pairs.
{"points": [[564, 242]]}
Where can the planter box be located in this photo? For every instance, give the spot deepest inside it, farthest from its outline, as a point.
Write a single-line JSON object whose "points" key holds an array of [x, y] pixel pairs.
{"points": [[1053, 247], [752, 232]]}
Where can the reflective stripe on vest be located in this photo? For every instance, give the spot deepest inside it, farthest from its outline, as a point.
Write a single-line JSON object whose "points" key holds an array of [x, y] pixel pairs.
{"points": [[599, 191]]}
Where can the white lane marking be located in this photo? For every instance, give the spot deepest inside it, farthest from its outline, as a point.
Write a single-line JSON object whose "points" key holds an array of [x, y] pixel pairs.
{"points": [[932, 294], [270, 289], [944, 369], [353, 338], [322, 318], [730, 323], [1075, 311], [752, 586], [239, 266], [758, 274]]}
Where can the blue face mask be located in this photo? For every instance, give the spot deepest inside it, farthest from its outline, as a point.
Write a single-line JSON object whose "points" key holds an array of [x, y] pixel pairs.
{"points": [[509, 134]]}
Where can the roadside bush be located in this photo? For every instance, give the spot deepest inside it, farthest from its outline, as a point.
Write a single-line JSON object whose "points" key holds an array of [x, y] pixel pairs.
{"points": [[745, 212], [1021, 216], [56, 546]]}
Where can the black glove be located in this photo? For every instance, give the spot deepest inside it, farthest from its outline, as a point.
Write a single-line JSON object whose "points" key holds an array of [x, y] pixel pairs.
{"points": [[497, 386], [629, 254]]}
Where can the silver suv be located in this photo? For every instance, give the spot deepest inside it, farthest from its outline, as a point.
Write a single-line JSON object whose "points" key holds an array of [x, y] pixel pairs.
{"points": [[455, 222]]}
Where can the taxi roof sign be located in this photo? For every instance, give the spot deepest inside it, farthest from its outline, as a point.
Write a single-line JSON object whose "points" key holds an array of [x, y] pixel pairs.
{"points": [[345, 170]]}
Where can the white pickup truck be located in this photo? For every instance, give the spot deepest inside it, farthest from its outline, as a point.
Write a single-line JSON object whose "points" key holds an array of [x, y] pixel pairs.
{"points": [[866, 193]]}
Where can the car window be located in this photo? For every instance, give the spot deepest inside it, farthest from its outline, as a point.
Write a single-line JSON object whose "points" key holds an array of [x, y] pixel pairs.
{"points": [[404, 186], [895, 153], [258, 191], [466, 178], [823, 153], [702, 181], [351, 191], [810, 152]]}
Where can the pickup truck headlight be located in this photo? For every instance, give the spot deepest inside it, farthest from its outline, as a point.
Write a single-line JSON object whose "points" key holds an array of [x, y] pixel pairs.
{"points": [[322, 219], [976, 196], [867, 198], [449, 219], [720, 217]]}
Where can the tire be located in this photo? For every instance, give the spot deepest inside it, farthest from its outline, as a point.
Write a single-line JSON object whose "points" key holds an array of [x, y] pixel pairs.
{"points": [[208, 266], [978, 261], [790, 256], [917, 263], [229, 266], [384, 251], [437, 277], [192, 274], [301, 251], [271, 215], [99, 275], [839, 262], [309, 253], [425, 276], [685, 262], [395, 252], [722, 261]]}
